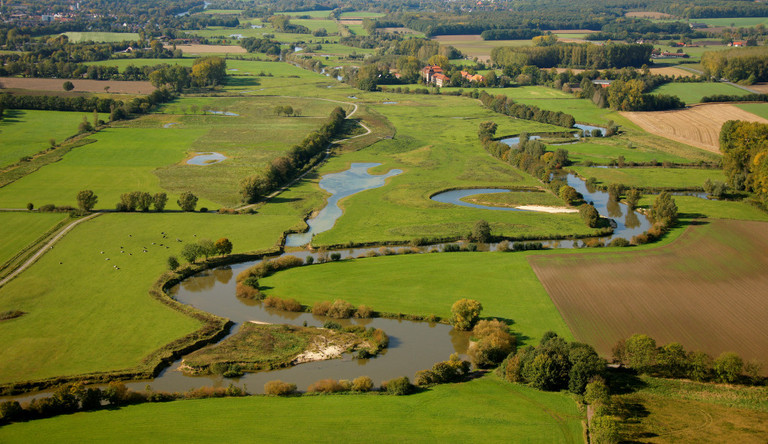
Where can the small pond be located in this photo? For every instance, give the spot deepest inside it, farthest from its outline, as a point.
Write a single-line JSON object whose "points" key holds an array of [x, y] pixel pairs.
{"points": [[340, 185], [206, 159], [168, 125], [221, 113], [389, 103], [455, 196]]}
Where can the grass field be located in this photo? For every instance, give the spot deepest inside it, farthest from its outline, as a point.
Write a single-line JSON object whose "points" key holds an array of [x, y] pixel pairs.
{"points": [[23, 135], [81, 85], [705, 291], [691, 207], [516, 198], [684, 411], [25, 229], [486, 409], [697, 126], [737, 22], [429, 284], [758, 109], [691, 93], [77, 37], [605, 150], [85, 316], [675, 178], [474, 46]]}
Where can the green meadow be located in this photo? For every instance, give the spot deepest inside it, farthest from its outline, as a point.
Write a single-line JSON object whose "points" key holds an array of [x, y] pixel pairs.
{"points": [[691, 93], [690, 207], [759, 109], [676, 178], [26, 228], [737, 22], [605, 150], [425, 284], [102, 36], [83, 315], [482, 410], [27, 132]]}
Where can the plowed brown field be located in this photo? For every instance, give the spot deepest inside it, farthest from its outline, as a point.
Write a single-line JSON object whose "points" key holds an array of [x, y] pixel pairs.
{"points": [[96, 86], [697, 126], [708, 291]]}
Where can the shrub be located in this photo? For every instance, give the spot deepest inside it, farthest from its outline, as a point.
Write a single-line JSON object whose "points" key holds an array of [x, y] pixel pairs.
{"points": [[362, 384], [492, 343], [503, 246], [203, 209], [728, 367], [398, 386], [309, 260], [326, 386], [173, 263], [279, 388], [481, 231], [604, 429], [30, 206], [332, 325], [619, 242], [335, 256], [245, 291], [465, 313], [187, 201], [321, 308], [223, 246], [364, 312], [340, 309]]}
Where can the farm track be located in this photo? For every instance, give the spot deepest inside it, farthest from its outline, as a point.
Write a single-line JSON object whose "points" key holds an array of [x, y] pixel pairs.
{"points": [[706, 291], [47, 247], [697, 126]]}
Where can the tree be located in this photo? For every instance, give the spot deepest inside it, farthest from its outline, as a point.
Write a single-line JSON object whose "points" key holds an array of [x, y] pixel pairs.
{"points": [[439, 60], [173, 263], [604, 429], [672, 360], [85, 126], [223, 246], [596, 393], [159, 200], [481, 232], [187, 201], [491, 343], [640, 352], [664, 209], [486, 131], [728, 367], [589, 215], [143, 201], [570, 195], [207, 248], [86, 200], [68, 86], [465, 313], [190, 252], [633, 197]]}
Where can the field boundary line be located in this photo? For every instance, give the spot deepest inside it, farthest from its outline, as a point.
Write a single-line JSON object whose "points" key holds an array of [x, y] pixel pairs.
{"points": [[48, 246]]}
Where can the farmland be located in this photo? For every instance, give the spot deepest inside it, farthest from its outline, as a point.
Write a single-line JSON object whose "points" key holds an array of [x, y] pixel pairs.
{"points": [[102, 36], [26, 228], [697, 126], [709, 281], [93, 86]]}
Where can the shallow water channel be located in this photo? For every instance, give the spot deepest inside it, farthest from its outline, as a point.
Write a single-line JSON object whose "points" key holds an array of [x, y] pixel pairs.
{"points": [[340, 185]]}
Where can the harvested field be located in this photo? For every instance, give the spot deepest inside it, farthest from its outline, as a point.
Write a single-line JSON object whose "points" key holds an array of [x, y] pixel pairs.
{"points": [[649, 14], [706, 290], [210, 49], [666, 71], [94, 86], [458, 38], [352, 22], [697, 126]]}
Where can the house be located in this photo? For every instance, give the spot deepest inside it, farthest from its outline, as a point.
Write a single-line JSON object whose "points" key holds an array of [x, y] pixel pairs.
{"points": [[476, 78], [602, 83], [738, 43], [430, 71], [441, 79]]}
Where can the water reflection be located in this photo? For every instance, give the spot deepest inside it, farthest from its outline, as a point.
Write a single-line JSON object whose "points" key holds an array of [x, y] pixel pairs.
{"points": [[613, 207]]}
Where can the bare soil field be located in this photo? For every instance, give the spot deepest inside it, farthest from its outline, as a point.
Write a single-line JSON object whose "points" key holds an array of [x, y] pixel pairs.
{"points": [[697, 126], [94, 86], [707, 290], [351, 22], [210, 49], [666, 71], [649, 14], [458, 38], [761, 87]]}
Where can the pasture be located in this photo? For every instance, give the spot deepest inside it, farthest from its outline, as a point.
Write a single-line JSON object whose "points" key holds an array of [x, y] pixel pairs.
{"points": [[98, 37], [477, 411], [758, 109], [474, 46], [606, 150], [704, 290], [26, 228], [83, 315], [425, 284], [27, 132], [671, 178], [691, 93], [697, 126]]}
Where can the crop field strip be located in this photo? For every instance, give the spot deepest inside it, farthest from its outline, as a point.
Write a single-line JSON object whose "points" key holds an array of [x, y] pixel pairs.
{"points": [[706, 291], [95, 86], [697, 126]]}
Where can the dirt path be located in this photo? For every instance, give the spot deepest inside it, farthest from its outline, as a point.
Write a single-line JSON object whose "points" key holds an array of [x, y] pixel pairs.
{"points": [[48, 246]]}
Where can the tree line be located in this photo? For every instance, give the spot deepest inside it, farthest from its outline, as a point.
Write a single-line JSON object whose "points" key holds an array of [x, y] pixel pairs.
{"points": [[745, 157], [505, 105], [285, 168], [743, 64], [118, 109], [574, 55]]}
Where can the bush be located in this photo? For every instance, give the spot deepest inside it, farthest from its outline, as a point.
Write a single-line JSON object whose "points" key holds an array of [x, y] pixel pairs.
{"points": [[465, 313], [321, 308], [340, 309], [279, 388], [30, 206], [203, 209], [173, 263], [335, 256], [245, 291], [492, 343], [326, 386], [362, 384], [398, 386], [309, 260], [364, 312], [619, 242]]}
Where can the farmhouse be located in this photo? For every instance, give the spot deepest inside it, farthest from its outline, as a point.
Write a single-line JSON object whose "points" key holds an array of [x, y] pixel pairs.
{"points": [[602, 83], [430, 71], [670, 55], [440, 79], [476, 78]]}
